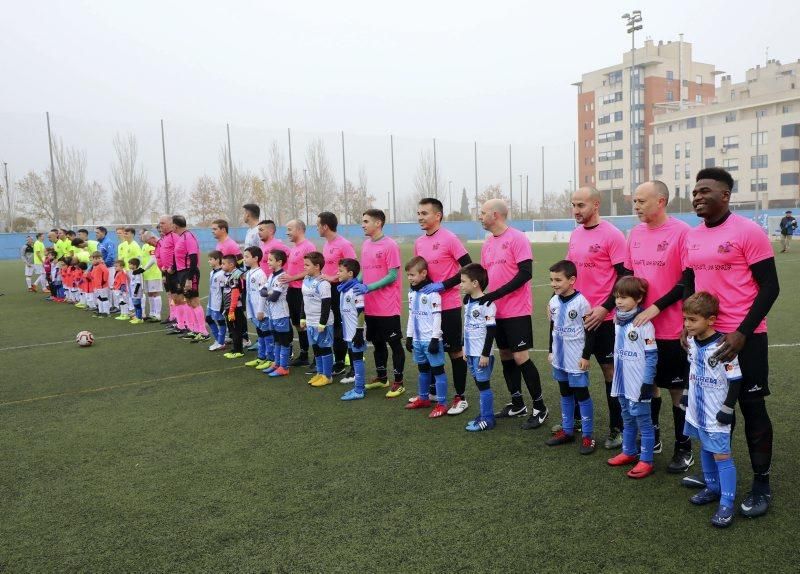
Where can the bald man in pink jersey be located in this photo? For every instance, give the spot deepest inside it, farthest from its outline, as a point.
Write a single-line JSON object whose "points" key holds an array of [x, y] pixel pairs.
{"points": [[598, 249]]}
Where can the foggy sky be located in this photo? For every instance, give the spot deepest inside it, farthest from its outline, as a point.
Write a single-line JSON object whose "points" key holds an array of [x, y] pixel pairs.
{"points": [[494, 72]]}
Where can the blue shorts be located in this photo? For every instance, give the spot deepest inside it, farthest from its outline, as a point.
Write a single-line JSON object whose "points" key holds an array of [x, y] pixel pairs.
{"points": [[421, 354], [715, 442], [324, 339], [282, 325], [263, 325], [354, 349], [215, 315], [481, 374], [575, 380], [634, 408]]}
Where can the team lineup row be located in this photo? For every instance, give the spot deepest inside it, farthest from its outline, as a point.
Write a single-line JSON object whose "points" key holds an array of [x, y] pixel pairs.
{"points": [[635, 326]]}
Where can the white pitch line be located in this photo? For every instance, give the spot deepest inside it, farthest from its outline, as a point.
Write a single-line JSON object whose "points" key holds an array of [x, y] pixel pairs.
{"points": [[73, 340]]}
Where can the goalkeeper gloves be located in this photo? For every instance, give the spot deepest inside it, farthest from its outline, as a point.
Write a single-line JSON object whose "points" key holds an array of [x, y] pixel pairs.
{"points": [[410, 344], [433, 346]]}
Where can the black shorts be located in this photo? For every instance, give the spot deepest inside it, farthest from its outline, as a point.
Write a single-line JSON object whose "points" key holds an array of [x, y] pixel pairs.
{"points": [[193, 277], [515, 333], [672, 367], [754, 362], [171, 283], [382, 329], [284, 339], [604, 343], [294, 298], [452, 333]]}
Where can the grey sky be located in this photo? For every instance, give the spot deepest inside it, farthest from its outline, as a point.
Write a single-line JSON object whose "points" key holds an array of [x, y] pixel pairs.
{"points": [[496, 72]]}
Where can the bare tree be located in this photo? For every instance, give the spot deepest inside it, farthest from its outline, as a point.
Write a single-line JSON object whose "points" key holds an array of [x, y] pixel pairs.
{"points": [[176, 199], [322, 190], [557, 205], [278, 201], [70, 164], [37, 197], [427, 181], [94, 203], [205, 201], [358, 197], [131, 192], [494, 192], [234, 187], [10, 204]]}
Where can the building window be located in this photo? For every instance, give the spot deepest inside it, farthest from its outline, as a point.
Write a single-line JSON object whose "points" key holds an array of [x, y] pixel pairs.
{"points": [[670, 75], [787, 109], [615, 77], [609, 155], [691, 123], [617, 116], [790, 179], [730, 117], [603, 120], [658, 149], [677, 151], [710, 162], [609, 136], [761, 113], [608, 174], [585, 179], [611, 98], [687, 150], [730, 142], [759, 184], [731, 164], [698, 79], [687, 170], [688, 189], [790, 154], [711, 141], [677, 191], [669, 96], [735, 186], [758, 161], [658, 169], [698, 98], [790, 130], [758, 138], [677, 171]]}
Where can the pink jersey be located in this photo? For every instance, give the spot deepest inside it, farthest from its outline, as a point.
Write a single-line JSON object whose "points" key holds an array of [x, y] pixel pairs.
{"points": [[334, 251], [594, 252], [377, 258], [721, 258], [266, 247], [659, 255], [185, 245], [165, 251], [442, 250], [229, 247], [501, 256], [294, 263]]}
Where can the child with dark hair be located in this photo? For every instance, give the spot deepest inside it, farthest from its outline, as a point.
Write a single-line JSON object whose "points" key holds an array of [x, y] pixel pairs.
{"points": [[278, 312], [319, 317], [232, 288], [137, 288], [635, 359], [214, 318], [351, 308]]}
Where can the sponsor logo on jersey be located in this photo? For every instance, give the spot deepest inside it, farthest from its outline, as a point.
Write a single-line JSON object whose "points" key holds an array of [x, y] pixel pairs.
{"points": [[724, 247], [662, 246], [712, 362]]}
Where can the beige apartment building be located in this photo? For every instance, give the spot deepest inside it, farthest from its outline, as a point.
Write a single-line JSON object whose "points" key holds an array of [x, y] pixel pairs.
{"points": [[615, 122], [751, 128]]}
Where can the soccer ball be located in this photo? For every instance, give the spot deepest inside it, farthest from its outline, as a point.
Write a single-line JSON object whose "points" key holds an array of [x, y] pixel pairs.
{"points": [[84, 339]]}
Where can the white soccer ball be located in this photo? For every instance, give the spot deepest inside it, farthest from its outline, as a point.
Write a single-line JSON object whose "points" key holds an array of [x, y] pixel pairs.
{"points": [[84, 339]]}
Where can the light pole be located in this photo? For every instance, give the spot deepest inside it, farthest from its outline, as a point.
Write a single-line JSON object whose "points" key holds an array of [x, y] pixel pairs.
{"points": [[633, 21], [450, 194], [305, 189]]}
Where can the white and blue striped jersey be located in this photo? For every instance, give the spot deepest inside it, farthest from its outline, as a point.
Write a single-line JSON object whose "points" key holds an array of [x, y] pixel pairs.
{"points": [[424, 316], [350, 304], [569, 336], [708, 385], [255, 279], [315, 289], [630, 345], [277, 309], [215, 280], [477, 317]]}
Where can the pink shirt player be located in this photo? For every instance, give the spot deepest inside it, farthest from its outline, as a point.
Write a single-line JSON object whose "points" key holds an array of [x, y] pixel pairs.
{"points": [[185, 244], [594, 252], [228, 246], [721, 257], [377, 258], [165, 251], [266, 247], [334, 251], [501, 256], [659, 255], [294, 262], [442, 250]]}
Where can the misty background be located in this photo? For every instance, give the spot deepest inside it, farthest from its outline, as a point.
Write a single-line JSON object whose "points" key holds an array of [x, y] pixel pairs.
{"points": [[477, 77]]}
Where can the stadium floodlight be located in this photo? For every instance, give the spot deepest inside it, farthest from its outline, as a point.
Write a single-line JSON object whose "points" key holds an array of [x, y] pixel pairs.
{"points": [[633, 22]]}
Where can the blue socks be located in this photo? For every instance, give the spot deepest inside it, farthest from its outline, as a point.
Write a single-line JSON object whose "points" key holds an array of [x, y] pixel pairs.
{"points": [[285, 352], [269, 348], [568, 414], [710, 473], [424, 385], [262, 348], [222, 330], [587, 417], [441, 388], [487, 404], [326, 362], [648, 434], [358, 368], [212, 326], [727, 481]]}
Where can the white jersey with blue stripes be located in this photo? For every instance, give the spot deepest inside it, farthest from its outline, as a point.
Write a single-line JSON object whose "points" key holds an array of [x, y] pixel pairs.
{"points": [[350, 303], [277, 309], [708, 385], [630, 345], [315, 289], [255, 279], [215, 281], [569, 335], [477, 317], [424, 316]]}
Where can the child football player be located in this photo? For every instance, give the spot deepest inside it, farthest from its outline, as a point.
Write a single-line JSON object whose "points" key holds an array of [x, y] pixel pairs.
{"points": [[351, 307], [214, 318], [319, 317], [635, 359], [137, 289], [570, 349], [256, 308], [120, 291], [713, 389], [100, 282], [232, 305], [278, 313], [479, 331], [423, 337]]}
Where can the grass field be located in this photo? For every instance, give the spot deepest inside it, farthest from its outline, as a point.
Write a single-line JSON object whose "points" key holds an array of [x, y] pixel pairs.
{"points": [[146, 453]]}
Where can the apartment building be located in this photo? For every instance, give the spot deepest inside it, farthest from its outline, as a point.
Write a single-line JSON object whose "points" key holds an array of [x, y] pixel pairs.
{"points": [[615, 115], [751, 128]]}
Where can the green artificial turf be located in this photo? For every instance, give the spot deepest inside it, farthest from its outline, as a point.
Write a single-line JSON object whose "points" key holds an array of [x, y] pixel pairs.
{"points": [[147, 453]]}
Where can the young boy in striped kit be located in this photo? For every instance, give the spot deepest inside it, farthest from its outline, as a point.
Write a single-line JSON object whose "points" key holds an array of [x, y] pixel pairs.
{"points": [[256, 306], [709, 401], [278, 312], [351, 309], [214, 318], [319, 317], [570, 349], [635, 359]]}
